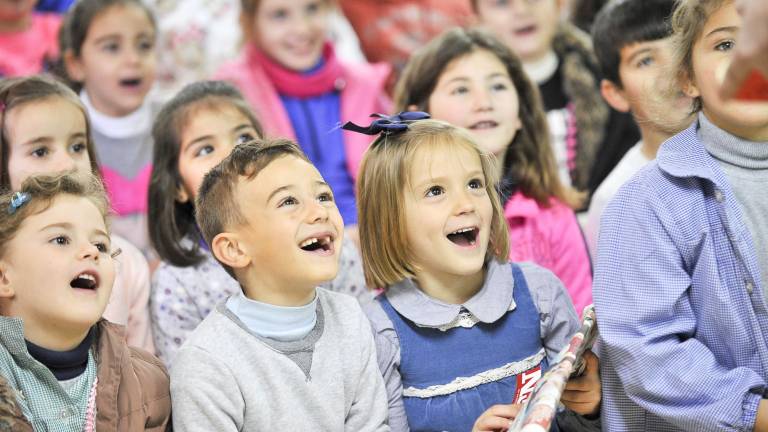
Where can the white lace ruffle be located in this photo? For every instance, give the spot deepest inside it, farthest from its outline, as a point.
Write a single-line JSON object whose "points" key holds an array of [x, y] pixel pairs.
{"points": [[489, 376]]}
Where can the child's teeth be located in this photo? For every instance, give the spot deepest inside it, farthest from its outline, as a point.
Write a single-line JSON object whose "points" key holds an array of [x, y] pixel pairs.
{"points": [[309, 242], [87, 276]]}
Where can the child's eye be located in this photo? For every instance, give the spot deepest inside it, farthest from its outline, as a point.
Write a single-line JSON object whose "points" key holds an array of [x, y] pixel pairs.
{"points": [[643, 62], [102, 247], [313, 8], [460, 91], [288, 201], [725, 45], [244, 138], [499, 87], [279, 14], [146, 45], [78, 148], [204, 150], [60, 240], [475, 184], [111, 47], [325, 197], [434, 191], [40, 152]]}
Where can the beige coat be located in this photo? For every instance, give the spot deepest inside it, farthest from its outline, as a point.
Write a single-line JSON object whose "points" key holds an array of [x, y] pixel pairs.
{"points": [[133, 392]]}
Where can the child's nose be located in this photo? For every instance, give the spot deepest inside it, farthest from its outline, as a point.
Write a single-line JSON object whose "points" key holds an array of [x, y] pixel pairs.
{"points": [[464, 204], [317, 212], [64, 164], [89, 252], [482, 100], [132, 56]]}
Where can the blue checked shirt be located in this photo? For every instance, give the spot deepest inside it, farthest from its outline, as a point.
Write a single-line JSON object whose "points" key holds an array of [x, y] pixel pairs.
{"points": [[682, 318]]}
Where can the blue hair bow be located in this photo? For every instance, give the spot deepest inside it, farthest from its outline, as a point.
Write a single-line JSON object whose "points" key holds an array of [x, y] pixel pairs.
{"points": [[17, 201], [387, 125]]}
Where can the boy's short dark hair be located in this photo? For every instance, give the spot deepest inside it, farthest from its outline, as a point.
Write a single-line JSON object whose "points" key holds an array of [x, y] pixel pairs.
{"points": [[216, 206], [625, 22]]}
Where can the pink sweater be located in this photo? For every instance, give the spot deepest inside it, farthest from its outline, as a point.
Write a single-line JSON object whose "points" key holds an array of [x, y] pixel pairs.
{"points": [[129, 303], [362, 93], [551, 237], [24, 53]]}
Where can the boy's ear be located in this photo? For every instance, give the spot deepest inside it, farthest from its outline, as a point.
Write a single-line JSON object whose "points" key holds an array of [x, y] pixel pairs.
{"points": [[614, 95], [74, 66], [226, 247], [6, 288]]}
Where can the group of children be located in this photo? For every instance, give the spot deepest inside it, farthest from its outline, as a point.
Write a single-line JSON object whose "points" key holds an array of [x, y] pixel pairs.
{"points": [[314, 268]]}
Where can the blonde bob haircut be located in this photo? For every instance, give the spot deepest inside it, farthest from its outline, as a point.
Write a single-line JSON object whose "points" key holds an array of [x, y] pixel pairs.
{"points": [[384, 177]]}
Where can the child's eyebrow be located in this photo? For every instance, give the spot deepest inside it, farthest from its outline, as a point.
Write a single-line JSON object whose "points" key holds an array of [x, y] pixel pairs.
{"points": [[241, 127], [639, 53], [100, 232], [77, 135], [444, 179], [729, 29], [497, 75], [64, 225], [289, 187], [278, 190], [38, 140], [197, 140], [458, 79], [105, 38]]}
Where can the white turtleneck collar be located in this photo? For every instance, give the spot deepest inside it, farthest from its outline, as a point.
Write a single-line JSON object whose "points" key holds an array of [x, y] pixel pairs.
{"points": [[542, 70], [119, 127]]}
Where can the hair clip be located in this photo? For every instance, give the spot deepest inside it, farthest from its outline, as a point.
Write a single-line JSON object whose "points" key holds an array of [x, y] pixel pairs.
{"points": [[17, 201], [387, 125], [116, 252]]}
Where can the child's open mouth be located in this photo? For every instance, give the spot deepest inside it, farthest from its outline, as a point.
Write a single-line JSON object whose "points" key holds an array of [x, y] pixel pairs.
{"points": [[526, 31], [321, 245], [464, 237], [86, 281], [130, 83], [485, 124]]}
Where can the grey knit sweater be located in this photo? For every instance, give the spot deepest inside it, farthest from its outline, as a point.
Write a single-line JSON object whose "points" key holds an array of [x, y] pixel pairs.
{"points": [[226, 378]]}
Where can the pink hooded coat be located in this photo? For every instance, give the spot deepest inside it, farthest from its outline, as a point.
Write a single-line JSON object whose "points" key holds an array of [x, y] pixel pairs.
{"points": [[362, 93]]}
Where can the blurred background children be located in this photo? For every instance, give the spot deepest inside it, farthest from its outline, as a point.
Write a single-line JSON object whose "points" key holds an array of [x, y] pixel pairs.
{"points": [[109, 52], [28, 40], [633, 45], [588, 138], [299, 89]]}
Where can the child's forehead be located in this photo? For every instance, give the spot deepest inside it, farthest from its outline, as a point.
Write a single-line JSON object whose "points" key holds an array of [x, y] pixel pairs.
{"points": [[631, 49], [64, 211], [440, 157], [283, 172]]}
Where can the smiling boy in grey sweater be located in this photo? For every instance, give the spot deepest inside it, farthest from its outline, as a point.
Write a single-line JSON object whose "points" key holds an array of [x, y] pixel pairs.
{"points": [[282, 354]]}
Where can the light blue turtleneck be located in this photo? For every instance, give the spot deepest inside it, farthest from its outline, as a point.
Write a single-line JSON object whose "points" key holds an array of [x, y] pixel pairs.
{"points": [[282, 323]]}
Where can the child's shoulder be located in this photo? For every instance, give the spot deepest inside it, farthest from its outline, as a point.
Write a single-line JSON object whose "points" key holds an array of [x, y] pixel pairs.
{"points": [[340, 307], [143, 378], [547, 291]]}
